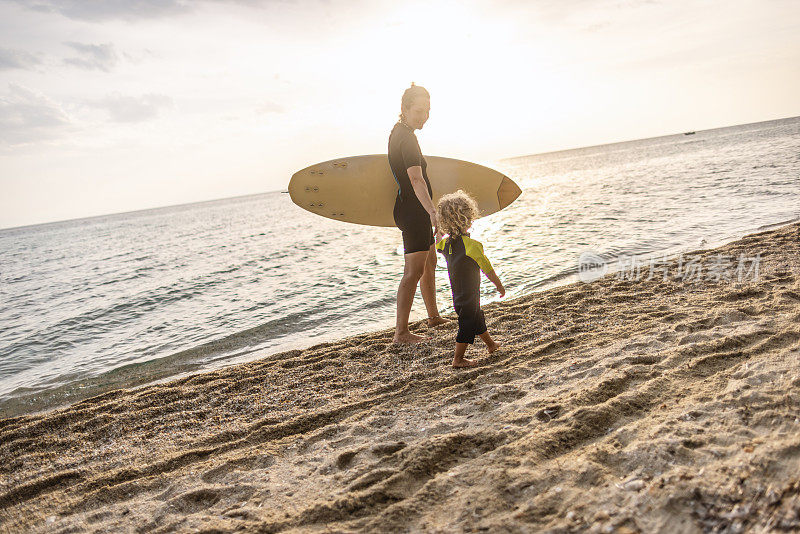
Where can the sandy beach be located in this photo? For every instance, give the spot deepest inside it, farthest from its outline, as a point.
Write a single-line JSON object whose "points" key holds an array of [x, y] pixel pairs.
{"points": [[621, 405]]}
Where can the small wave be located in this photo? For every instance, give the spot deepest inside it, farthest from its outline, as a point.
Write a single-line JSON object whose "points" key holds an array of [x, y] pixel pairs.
{"points": [[775, 225], [70, 388]]}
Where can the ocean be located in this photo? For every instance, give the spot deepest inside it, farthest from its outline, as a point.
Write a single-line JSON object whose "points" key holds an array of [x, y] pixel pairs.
{"points": [[126, 299]]}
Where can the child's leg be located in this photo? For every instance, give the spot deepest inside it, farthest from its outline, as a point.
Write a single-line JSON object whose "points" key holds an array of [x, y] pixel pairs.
{"points": [[466, 335], [491, 344], [458, 358]]}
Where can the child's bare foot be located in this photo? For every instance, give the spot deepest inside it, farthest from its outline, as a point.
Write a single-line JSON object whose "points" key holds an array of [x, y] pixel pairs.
{"points": [[492, 347], [437, 320], [407, 337], [463, 362]]}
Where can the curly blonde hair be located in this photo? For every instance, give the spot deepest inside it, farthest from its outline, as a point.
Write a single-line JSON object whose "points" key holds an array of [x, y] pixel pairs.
{"points": [[456, 212]]}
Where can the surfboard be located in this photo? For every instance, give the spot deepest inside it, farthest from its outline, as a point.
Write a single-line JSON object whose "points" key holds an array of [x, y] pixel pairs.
{"points": [[362, 189]]}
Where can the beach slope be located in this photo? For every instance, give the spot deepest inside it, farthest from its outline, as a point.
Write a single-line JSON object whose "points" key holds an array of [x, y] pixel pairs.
{"points": [[621, 405]]}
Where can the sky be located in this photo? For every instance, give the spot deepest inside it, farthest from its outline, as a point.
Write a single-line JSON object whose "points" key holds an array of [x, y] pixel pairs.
{"points": [[118, 105]]}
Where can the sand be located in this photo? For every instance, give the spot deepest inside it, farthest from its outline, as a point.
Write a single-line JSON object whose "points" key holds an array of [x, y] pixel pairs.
{"points": [[613, 406]]}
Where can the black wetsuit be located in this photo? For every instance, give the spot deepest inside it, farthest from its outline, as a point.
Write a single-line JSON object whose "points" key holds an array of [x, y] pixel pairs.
{"points": [[409, 215], [465, 261]]}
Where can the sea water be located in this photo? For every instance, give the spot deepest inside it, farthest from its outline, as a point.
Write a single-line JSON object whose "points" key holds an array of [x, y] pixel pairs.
{"points": [[124, 299]]}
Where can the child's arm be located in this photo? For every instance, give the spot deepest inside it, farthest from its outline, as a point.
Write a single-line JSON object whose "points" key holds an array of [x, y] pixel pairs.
{"points": [[492, 276], [475, 251]]}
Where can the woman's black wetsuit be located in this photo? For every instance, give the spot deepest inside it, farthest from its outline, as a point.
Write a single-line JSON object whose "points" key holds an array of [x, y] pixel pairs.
{"points": [[409, 215]]}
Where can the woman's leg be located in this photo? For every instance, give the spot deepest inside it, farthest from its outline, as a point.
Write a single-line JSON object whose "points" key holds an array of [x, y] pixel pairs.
{"points": [[412, 272], [427, 285]]}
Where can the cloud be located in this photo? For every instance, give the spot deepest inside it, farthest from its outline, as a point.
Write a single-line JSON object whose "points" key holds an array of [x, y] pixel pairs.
{"points": [[141, 56], [129, 10], [133, 109], [110, 9], [93, 57], [27, 116], [17, 59], [583, 15], [270, 107]]}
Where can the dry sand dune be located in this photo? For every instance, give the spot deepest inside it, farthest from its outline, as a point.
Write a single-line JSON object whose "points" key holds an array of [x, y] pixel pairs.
{"points": [[615, 406]]}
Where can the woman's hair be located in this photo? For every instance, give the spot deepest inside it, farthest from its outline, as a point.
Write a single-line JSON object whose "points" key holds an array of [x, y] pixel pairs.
{"points": [[411, 94], [456, 212]]}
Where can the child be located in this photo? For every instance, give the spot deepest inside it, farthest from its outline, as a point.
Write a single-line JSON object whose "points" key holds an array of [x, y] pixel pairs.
{"points": [[465, 261]]}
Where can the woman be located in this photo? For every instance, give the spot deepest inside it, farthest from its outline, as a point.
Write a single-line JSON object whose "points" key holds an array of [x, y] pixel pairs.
{"points": [[414, 212]]}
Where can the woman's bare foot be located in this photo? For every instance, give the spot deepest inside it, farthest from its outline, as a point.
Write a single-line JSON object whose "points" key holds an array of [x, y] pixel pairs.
{"points": [[437, 320], [463, 362], [492, 347], [407, 337]]}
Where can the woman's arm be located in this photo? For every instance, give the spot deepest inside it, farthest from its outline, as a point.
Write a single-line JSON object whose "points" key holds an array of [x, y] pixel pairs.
{"points": [[421, 190]]}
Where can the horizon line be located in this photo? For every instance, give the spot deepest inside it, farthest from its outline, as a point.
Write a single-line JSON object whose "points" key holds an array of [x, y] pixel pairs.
{"points": [[648, 138], [283, 191]]}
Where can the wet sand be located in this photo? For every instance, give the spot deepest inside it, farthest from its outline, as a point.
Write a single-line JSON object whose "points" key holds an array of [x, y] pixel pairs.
{"points": [[614, 406]]}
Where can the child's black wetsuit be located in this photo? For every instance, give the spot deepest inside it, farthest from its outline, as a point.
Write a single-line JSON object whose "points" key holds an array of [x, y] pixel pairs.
{"points": [[465, 261]]}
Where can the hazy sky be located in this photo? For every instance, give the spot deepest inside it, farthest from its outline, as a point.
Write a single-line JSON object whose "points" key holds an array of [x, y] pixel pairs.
{"points": [[109, 106]]}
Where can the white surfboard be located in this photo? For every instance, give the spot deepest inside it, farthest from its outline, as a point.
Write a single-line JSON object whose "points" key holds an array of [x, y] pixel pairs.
{"points": [[362, 189]]}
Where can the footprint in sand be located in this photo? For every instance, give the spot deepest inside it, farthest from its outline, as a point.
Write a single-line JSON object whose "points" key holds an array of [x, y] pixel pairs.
{"points": [[386, 449], [204, 498], [219, 473], [546, 415]]}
